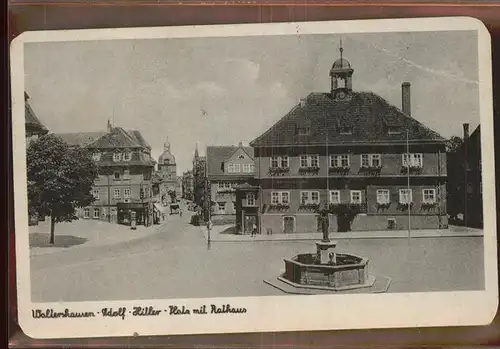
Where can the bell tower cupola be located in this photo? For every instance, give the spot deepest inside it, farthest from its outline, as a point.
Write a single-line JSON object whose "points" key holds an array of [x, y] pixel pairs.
{"points": [[341, 76]]}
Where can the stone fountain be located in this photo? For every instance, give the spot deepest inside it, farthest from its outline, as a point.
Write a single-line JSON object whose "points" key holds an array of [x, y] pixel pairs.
{"points": [[326, 270]]}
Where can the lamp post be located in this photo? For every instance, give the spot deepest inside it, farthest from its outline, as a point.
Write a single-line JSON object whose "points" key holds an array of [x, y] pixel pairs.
{"points": [[109, 200]]}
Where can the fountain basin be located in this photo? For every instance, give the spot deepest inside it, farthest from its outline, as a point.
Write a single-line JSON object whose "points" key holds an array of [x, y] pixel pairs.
{"points": [[349, 271]]}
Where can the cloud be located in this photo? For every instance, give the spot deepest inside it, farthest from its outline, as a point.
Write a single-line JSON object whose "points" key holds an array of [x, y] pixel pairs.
{"points": [[211, 89], [243, 68], [278, 90], [457, 74]]}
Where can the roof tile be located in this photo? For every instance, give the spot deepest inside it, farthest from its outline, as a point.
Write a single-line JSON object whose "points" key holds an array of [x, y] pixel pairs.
{"points": [[367, 115]]}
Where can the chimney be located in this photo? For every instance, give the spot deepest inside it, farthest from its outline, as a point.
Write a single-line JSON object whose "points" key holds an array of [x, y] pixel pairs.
{"points": [[406, 98], [302, 102], [109, 128], [466, 132], [240, 144]]}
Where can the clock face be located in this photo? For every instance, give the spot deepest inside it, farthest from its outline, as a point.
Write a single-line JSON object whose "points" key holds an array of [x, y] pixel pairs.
{"points": [[341, 95]]}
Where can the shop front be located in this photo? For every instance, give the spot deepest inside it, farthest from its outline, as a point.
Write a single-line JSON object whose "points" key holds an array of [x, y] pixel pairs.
{"points": [[141, 210]]}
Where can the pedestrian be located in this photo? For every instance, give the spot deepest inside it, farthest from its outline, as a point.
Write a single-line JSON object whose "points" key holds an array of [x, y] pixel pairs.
{"points": [[254, 230]]}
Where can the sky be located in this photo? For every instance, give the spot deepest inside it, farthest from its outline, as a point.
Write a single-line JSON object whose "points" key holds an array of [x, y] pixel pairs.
{"points": [[220, 91]]}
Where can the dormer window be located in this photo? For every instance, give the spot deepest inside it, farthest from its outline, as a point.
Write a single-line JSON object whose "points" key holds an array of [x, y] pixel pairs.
{"points": [[393, 130], [345, 130], [303, 131], [96, 156], [127, 156], [117, 156]]}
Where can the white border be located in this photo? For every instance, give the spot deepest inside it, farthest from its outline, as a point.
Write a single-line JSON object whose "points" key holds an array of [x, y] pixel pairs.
{"points": [[276, 313]]}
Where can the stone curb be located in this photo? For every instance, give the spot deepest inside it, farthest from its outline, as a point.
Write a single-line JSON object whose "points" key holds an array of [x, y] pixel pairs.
{"points": [[371, 235]]}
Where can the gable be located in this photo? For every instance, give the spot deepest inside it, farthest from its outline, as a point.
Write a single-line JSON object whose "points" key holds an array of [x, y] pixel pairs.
{"points": [[218, 157], [239, 156]]}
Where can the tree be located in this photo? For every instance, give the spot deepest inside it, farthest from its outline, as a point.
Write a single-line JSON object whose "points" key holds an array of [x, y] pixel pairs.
{"points": [[60, 179], [453, 144], [456, 180]]}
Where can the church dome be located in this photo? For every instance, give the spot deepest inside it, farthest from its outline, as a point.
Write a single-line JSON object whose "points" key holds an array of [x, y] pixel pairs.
{"points": [[166, 156], [341, 63]]}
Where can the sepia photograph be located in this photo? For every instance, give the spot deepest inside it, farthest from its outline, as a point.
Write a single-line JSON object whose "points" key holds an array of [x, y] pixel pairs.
{"points": [[254, 170]]}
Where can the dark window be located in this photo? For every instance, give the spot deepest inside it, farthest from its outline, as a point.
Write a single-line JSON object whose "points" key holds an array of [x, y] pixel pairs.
{"points": [[117, 175], [345, 130]]}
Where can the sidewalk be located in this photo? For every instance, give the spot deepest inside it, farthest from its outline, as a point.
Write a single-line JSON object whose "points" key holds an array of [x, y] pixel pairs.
{"points": [[453, 231], [83, 233]]}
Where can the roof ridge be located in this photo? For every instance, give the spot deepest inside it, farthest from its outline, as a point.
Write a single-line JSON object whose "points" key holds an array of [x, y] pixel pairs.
{"points": [[126, 134]]}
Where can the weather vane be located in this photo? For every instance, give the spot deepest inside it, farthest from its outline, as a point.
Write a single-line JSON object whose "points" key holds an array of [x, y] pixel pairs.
{"points": [[341, 49]]}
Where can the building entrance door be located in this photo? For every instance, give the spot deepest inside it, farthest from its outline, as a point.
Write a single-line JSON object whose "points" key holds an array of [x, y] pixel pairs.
{"points": [[288, 225], [250, 221]]}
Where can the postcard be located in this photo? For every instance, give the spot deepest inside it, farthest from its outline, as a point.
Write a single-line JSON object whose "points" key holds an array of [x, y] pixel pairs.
{"points": [[254, 178]]}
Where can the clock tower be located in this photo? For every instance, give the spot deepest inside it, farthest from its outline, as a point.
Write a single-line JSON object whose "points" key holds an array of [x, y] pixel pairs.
{"points": [[341, 77]]}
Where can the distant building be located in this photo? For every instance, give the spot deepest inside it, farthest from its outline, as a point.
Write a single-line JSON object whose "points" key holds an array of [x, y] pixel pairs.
{"points": [[125, 168], [200, 192], [227, 168], [187, 185], [167, 169], [464, 170], [353, 154]]}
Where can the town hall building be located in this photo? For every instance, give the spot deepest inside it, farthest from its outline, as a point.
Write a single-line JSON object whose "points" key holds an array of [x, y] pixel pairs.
{"points": [[370, 164]]}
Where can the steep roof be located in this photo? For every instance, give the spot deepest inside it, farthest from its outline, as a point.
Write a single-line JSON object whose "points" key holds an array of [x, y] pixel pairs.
{"points": [[93, 139], [80, 138], [118, 138], [216, 155], [31, 120], [137, 159], [138, 138], [368, 115]]}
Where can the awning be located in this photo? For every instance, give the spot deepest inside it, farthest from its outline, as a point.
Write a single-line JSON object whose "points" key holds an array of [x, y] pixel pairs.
{"points": [[131, 205]]}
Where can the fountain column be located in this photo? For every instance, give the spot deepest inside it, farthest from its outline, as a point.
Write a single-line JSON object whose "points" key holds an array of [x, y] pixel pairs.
{"points": [[325, 248]]}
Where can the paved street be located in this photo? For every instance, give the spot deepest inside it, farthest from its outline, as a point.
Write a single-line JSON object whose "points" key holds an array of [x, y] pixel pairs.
{"points": [[175, 262]]}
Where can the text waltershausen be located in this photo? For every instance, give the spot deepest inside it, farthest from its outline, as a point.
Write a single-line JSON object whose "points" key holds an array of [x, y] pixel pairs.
{"points": [[51, 314]]}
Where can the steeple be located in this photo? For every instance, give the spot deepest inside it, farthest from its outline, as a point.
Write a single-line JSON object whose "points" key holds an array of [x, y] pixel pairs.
{"points": [[196, 154], [341, 76], [166, 145]]}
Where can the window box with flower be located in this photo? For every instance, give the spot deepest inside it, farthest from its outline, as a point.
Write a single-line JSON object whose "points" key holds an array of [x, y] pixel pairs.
{"points": [[403, 206], [428, 204], [309, 206], [309, 169], [339, 170], [411, 169], [279, 206], [278, 170]]}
